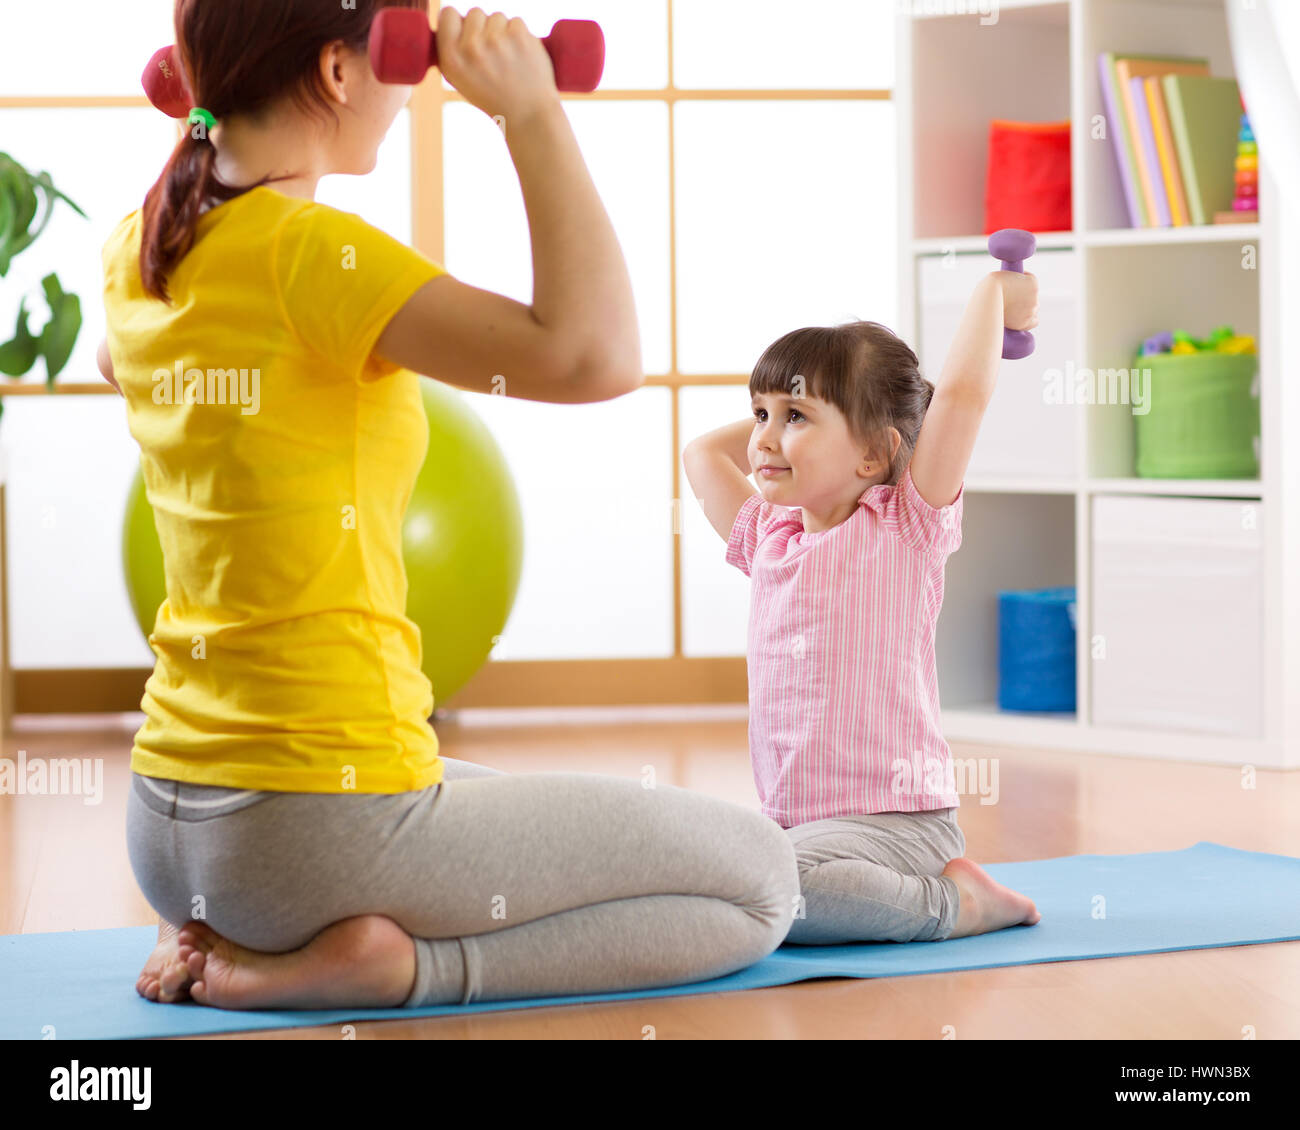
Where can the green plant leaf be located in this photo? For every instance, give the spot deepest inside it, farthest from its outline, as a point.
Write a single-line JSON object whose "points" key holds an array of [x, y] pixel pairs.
{"points": [[54, 292], [18, 207], [19, 355], [60, 333], [51, 195], [25, 239], [45, 181], [16, 193], [8, 214], [19, 181], [27, 201]]}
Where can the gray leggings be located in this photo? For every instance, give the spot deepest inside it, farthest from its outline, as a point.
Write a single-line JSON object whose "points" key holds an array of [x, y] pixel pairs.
{"points": [[539, 884], [876, 878], [512, 885]]}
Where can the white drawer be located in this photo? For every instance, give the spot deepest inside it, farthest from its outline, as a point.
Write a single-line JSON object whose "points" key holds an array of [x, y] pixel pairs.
{"points": [[1177, 614]]}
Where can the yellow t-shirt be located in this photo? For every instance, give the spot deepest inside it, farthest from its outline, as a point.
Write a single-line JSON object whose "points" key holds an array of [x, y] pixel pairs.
{"points": [[279, 456]]}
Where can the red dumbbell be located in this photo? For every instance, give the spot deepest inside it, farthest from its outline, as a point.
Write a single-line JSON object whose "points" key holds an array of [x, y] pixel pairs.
{"points": [[164, 84], [1013, 247], [403, 47]]}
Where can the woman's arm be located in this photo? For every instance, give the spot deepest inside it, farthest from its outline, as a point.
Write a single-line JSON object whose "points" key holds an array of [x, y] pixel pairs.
{"points": [[963, 391], [581, 289], [579, 340]]}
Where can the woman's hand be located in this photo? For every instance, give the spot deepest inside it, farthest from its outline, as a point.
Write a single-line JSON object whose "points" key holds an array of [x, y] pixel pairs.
{"points": [[496, 63], [1019, 299]]}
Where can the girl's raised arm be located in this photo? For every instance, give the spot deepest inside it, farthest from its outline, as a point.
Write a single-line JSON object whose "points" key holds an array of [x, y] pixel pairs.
{"points": [[963, 391], [717, 467]]}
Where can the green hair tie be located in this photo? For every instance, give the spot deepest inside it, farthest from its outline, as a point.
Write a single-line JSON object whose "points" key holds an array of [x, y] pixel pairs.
{"points": [[198, 114]]}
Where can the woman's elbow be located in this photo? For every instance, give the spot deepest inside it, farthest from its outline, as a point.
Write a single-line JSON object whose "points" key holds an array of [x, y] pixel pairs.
{"points": [[609, 376]]}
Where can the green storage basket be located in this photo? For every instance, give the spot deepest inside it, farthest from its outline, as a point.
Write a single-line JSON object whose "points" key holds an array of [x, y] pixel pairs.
{"points": [[1203, 421]]}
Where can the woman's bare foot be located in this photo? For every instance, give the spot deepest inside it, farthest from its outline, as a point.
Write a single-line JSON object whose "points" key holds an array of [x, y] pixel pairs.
{"points": [[366, 962], [165, 977], [986, 905]]}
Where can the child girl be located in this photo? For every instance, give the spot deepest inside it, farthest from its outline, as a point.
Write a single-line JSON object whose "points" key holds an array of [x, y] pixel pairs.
{"points": [[290, 818], [860, 464]]}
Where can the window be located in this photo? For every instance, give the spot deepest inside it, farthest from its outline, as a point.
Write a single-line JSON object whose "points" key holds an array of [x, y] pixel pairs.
{"points": [[745, 151], [751, 184]]}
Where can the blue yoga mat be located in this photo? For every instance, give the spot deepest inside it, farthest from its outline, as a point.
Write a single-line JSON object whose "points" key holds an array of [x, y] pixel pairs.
{"points": [[82, 984]]}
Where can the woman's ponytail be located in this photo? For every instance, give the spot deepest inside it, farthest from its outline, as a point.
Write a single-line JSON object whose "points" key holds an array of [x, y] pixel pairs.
{"points": [[172, 209]]}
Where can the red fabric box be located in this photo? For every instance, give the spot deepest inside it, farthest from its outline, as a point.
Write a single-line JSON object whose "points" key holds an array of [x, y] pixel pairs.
{"points": [[1029, 177]]}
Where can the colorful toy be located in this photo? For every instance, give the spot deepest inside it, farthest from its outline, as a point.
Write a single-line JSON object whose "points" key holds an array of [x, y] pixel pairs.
{"points": [[1245, 204], [1222, 339], [1161, 343], [1247, 175], [462, 545], [1013, 247]]}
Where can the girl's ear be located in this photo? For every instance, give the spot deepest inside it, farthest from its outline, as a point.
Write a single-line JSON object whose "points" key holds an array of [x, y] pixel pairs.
{"points": [[891, 439]]}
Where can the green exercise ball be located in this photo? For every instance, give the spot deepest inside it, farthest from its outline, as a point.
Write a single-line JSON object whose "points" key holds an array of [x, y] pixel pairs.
{"points": [[462, 543]]}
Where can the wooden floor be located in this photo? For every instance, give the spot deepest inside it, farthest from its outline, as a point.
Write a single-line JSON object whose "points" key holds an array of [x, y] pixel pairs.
{"points": [[63, 866]]}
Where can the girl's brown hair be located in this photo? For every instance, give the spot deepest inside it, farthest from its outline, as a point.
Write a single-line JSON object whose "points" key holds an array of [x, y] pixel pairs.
{"points": [[865, 370], [240, 57]]}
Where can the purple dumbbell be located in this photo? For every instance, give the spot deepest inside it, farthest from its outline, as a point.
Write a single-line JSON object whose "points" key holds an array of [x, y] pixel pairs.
{"points": [[1013, 247]]}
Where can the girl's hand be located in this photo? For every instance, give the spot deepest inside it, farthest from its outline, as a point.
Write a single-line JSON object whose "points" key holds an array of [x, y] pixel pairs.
{"points": [[1019, 299], [496, 63]]}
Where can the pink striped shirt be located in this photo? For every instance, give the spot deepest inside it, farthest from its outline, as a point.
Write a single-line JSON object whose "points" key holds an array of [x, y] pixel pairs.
{"points": [[843, 695]]}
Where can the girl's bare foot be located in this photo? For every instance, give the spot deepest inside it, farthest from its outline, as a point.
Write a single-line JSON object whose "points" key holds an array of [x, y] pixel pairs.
{"points": [[986, 904], [165, 977], [366, 962]]}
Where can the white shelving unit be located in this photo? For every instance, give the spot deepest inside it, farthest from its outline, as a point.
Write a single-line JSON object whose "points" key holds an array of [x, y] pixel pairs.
{"points": [[1041, 472]]}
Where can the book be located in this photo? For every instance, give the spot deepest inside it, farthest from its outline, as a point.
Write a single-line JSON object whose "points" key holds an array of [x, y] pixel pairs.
{"points": [[1128, 67], [1167, 150], [1123, 146], [1205, 116], [1153, 184]]}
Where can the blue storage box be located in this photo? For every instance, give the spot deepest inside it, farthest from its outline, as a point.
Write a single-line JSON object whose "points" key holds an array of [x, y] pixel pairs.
{"points": [[1036, 631]]}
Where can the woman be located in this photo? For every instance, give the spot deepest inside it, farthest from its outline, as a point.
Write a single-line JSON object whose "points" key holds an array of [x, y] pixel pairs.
{"points": [[290, 818]]}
